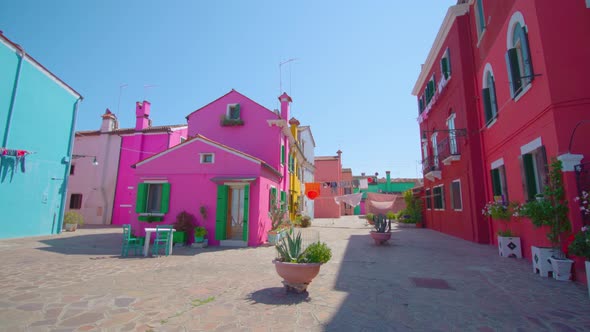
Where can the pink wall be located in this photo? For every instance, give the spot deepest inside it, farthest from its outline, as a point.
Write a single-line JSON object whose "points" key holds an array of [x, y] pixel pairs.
{"points": [[327, 169], [191, 186], [136, 147]]}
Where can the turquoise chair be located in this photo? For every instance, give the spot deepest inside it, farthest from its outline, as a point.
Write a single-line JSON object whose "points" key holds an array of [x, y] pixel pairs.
{"points": [[130, 242], [162, 240]]}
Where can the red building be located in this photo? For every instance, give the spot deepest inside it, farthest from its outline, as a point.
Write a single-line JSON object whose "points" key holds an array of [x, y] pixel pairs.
{"points": [[328, 172], [529, 66]]}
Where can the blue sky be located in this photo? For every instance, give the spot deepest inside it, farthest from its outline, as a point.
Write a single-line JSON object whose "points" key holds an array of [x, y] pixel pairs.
{"points": [[356, 63]]}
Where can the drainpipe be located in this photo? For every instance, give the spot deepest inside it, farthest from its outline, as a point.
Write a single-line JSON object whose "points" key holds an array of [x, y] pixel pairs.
{"points": [[68, 163], [13, 98]]}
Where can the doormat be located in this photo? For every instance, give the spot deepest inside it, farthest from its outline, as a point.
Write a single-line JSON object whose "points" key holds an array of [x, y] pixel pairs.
{"points": [[431, 283]]}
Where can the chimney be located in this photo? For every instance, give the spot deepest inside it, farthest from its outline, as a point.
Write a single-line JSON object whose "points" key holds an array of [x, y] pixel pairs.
{"points": [[363, 174], [388, 177], [285, 105], [142, 115], [109, 122]]}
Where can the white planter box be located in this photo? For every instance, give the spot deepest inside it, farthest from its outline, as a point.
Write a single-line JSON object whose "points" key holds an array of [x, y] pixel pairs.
{"points": [[541, 263], [562, 268], [509, 247]]}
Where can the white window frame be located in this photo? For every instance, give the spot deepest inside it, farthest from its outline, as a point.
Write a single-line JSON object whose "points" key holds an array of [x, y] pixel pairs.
{"points": [[488, 72], [453, 148], [228, 113], [518, 18], [433, 141], [442, 197], [202, 157], [446, 55], [460, 196], [480, 25]]}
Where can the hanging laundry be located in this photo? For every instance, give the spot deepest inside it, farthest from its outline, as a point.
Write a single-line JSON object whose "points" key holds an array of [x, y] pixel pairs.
{"points": [[352, 199], [363, 184], [334, 186], [20, 158]]}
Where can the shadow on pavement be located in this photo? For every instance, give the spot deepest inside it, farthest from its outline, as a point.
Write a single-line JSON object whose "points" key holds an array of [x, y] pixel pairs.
{"points": [[277, 296], [91, 244]]}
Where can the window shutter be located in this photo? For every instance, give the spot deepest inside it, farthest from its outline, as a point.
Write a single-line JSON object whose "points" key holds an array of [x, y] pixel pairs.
{"points": [[542, 167], [529, 170], [165, 203], [445, 67], [487, 106], [526, 57], [283, 199], [246, 212], [496, 186], [273, 196], [502, 175], [282, 154], [449, 61], [513, 72], [141, 199], [238, 111], [221, 213], [493, 103]]}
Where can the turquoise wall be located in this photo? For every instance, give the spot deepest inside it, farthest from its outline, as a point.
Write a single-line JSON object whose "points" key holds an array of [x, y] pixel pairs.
{"points": [[42, 122]]}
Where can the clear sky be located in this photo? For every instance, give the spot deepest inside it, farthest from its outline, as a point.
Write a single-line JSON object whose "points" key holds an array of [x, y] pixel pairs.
{"points": [[356, 63]]}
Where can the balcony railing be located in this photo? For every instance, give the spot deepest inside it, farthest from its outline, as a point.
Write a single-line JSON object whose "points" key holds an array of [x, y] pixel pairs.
{"points": [[430, 164], [449, 149]]}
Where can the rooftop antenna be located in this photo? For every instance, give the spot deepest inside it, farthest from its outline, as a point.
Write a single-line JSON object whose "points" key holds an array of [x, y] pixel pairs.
{"points": [[281, 74], [120, 92], [145, 87]]}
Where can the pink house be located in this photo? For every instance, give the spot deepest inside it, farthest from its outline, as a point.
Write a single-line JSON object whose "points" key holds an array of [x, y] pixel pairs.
{"points": [[232, 167], [101, 183], [328, 172]]}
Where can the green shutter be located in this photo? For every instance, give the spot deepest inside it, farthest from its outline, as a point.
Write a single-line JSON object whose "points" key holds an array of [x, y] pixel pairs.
{"points": [[273, 196], [496, 184], [221, 213], [529, 171], [526, 57], [513, 71], [487, 104], [282, 154], [238, 111], [445, 67], [165, 204], [141, 199], [246, 212], [542, 167], [283, 199], [449, 70]]}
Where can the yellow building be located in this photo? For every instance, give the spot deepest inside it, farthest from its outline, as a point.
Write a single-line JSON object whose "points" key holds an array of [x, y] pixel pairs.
{"points": [[295, 171]]}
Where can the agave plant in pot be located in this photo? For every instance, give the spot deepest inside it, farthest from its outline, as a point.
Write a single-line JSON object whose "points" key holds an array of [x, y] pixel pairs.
{"points": [[297, 264], [551, 212], [382, 232]]}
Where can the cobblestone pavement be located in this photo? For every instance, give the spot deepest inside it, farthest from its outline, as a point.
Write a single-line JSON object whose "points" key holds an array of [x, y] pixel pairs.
{"points": [[421, 281]]}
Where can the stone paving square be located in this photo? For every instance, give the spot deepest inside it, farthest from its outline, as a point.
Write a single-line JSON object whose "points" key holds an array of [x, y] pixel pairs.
{"points": [[78, 282]]}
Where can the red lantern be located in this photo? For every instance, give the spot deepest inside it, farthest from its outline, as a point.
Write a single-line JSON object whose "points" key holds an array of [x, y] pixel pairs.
{"points": [[312, 194]]}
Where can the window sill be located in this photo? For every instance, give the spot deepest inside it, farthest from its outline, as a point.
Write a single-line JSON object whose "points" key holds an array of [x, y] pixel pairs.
{"points": [[231, 122], [522, 92]]}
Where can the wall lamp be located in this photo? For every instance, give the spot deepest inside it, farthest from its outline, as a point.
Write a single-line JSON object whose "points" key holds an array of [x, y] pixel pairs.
{"points": [[77, 156]]}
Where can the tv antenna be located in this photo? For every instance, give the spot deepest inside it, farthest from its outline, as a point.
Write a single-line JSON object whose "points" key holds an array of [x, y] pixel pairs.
{"points": [[120, 92], [281, 74], [145, 87]]}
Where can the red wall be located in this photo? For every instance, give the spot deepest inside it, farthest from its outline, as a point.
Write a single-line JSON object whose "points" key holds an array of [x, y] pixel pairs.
{"points": [[327, 170]]}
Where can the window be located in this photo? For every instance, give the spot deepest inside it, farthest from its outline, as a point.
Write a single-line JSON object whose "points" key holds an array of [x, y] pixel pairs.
{"points": [[438, 196], [152, 198], [480, 20], [76, 201], [428, 199], [518, 56], [452, 135], [456, 202], [282, 154], [434, 149], [291, 164], [430, 89], [421, 104], [272, 197], [233, 111], [72, 167], [207, 158], [347, 191], [283, 199], [488, 93], [533, 166], [445, 65], [499, 188]]}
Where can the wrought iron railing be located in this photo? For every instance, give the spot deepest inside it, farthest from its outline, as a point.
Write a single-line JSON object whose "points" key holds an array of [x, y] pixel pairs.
{"points": [[430, 164], [449, 146]]}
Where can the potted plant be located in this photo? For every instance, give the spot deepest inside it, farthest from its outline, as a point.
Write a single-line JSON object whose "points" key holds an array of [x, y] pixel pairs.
{"points": [[551, 212], [305, 221], [200, 233], [298, 265], [580, 247], [382, 232], [390, 215], [412, 214], [71, 220], [278, 218], [369, 217], [508, 244], [185, 222]]}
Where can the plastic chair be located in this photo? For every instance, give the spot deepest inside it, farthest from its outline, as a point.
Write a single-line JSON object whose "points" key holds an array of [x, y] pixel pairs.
{"points": [[162, 240], [130, 242]]}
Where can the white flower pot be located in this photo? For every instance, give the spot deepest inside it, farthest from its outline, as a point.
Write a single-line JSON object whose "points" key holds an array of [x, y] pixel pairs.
{"points": [[541, 263], [509, 247], [562, 268], [587, 263]]}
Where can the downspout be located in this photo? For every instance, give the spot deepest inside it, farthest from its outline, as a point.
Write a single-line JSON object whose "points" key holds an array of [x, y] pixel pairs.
{"points": [[68, 163], [13, 97]]}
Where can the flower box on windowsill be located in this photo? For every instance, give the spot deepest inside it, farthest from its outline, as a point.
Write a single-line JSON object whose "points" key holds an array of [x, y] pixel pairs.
{"points": [[225, 122]]}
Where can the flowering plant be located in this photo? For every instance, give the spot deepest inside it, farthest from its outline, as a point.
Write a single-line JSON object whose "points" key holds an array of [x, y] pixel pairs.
{"points": [[580, 246], [502, 211], [584, 202]]}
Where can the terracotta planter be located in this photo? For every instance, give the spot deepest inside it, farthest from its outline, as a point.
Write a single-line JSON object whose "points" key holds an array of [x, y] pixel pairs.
{"points": [[380, 238], [297, 276]]}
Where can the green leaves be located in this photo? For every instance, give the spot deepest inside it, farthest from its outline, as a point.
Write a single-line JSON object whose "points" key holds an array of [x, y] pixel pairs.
{"points": [[291, 250]]}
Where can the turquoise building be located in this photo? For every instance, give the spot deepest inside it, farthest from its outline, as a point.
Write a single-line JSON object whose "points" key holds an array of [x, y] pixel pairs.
{"points": [[37, 119]]}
